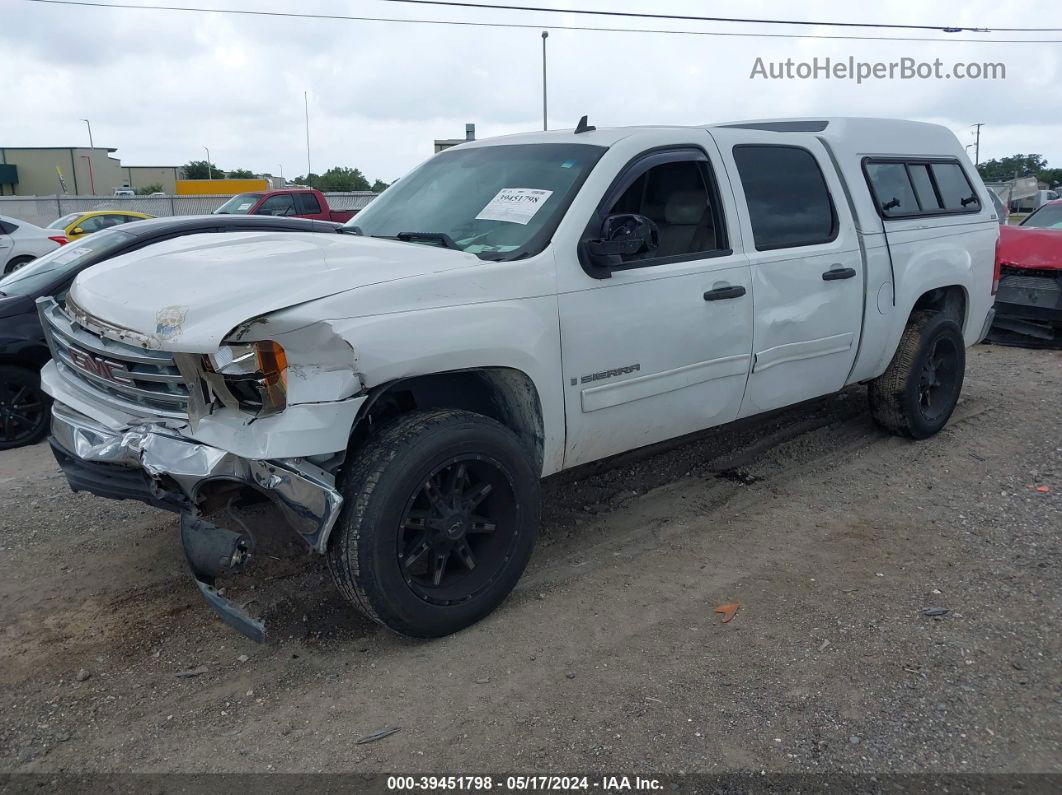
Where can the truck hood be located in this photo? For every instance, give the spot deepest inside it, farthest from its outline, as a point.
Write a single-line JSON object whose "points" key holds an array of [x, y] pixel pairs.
{"points": [[188, 293], [1030, 247]]}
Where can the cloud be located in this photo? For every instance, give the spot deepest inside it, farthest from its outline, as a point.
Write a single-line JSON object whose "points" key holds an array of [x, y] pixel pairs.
{"points": [[161, 85]]}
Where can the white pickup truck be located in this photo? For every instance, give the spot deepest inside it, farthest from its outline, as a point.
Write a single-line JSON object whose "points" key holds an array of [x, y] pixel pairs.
{"points": [[513, 308]]}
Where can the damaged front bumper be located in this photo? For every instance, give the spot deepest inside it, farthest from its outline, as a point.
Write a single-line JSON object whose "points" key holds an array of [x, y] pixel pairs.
{"points": [[155, 465]]}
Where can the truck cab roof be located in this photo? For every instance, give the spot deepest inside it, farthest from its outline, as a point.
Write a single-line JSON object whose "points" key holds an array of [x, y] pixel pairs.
{"points": [[850, 134]]}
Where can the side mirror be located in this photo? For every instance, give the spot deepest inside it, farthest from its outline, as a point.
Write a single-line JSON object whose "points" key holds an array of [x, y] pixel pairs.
{"points": [[623, 234], [77, 230]]}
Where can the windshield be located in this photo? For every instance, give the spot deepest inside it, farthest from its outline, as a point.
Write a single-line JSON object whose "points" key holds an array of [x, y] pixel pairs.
{"points": [[499, 202], [240, 204], [64, 261], [1047, 217]]}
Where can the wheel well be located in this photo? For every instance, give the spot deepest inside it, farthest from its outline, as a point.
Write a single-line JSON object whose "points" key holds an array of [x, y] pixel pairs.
{"points": [[15, 260], [950, 300], [501, 393], [30, 358]]}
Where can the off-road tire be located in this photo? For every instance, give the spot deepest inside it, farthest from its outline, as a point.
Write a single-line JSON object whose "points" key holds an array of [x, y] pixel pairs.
{"points": [[380, 482], [895, 397], [23, 385]]}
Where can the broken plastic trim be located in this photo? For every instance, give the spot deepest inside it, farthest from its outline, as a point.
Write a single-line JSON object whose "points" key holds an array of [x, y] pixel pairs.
{"points": [[305, 494], [211, 551]]}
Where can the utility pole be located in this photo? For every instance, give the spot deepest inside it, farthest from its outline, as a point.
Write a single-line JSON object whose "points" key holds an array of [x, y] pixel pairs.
{"points": [[545, 122], [306, 105], [87, 124], [977, 144], [210, 169]]}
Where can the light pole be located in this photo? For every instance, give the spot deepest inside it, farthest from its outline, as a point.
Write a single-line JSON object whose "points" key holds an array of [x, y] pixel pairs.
{"points": [[210, 171], [306, 107], [545, 123], [977, 143], [87, 124], [92, 179]]}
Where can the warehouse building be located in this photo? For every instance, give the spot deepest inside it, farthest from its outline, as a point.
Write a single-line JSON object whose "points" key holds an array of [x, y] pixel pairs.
{"points": [[75, 171]]}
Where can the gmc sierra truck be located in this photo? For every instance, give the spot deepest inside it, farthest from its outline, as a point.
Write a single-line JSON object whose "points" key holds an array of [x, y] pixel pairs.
{"points": [[512, 308]]}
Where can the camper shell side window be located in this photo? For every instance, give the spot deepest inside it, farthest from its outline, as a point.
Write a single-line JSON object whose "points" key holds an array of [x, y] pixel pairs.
{"points": [[914, 187]]}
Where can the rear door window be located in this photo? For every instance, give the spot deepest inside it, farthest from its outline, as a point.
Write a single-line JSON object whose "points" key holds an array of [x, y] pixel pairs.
{"points": [[788, 200], [307, 203]]}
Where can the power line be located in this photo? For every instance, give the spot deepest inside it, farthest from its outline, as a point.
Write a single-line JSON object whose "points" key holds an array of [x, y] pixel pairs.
{"points": [[696, 18], [517, 25]]}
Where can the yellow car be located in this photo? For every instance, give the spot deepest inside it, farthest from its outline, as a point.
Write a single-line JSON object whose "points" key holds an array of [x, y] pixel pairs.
{"points": [[78, 225]]}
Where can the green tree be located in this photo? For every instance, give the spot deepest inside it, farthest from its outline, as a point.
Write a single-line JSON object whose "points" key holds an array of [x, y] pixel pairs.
{"points": [[379, 186], [1052, 176], [1014, 166], [340, 178], [154, 187], [201, 169], [241, 173]]}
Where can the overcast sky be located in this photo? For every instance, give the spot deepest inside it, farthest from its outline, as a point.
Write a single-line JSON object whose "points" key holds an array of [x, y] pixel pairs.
{"points": [[159, 85]]}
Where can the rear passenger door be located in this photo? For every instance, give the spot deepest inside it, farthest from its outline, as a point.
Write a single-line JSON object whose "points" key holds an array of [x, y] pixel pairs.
{"points": [[306, 205], [806, 266]]}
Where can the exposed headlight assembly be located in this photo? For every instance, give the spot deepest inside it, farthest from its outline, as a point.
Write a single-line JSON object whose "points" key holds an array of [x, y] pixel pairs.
{"points": [[255, 375]]}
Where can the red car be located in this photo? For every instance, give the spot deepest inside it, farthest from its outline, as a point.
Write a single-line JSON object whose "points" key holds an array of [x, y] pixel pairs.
{"points": [[287, 203], [1029, 300]]}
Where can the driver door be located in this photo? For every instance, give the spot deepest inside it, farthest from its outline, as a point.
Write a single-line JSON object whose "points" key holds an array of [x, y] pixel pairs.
{"points": [[662, 346]]}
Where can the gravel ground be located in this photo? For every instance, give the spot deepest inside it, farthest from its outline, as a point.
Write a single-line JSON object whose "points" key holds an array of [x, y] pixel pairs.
{"points": [[834, 539]]}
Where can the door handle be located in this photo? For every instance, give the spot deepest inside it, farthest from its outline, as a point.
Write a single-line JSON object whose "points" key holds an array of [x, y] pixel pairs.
{"points": [[722, 293], [838, 273]]}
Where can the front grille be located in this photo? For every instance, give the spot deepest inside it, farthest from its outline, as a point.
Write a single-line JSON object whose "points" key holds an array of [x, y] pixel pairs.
{"points": [[134, 379]]}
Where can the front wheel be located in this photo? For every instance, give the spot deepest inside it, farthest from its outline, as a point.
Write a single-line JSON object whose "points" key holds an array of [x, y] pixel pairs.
{"points": [[916, 395], [24, 407], [439, 520]]}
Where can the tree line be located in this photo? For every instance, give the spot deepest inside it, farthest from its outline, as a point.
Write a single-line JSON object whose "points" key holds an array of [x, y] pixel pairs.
{"points": [[1005, 168], [339, 179]]}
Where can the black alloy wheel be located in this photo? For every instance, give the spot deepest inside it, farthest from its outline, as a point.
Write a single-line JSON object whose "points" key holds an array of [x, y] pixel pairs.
{"points": [[938, 384], [23, 408], [457, 533], [440, 513]]}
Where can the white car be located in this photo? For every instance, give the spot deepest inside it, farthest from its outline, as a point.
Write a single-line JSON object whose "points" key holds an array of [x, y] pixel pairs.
{"points": [[513, 308], [22, 242]]}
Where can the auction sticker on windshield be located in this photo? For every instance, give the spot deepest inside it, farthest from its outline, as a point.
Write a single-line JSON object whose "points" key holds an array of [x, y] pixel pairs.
{"points": [[515, 205]]}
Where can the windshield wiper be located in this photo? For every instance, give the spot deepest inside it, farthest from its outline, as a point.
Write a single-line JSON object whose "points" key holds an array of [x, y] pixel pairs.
{"points": [[350, 230], [432, 237]]}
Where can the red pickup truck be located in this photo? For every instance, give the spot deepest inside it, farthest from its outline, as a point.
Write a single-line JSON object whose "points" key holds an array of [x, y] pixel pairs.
{"points": [[287, 203]]}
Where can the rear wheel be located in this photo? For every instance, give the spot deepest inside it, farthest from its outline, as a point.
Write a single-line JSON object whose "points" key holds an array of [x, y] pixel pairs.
{"points": [[439, 522], [916, 395], [23, 407], [16, 263]]}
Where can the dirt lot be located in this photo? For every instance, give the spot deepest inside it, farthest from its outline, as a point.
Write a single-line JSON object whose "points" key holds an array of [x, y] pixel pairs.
{"points": [[832, 537]]}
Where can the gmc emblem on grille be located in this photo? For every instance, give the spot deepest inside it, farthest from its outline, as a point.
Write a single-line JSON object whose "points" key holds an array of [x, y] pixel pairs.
{"points": [[94, 365]]}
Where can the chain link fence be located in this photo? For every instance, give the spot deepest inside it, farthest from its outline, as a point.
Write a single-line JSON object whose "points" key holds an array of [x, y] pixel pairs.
{"points": [[42, 210]]}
